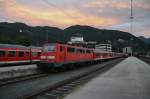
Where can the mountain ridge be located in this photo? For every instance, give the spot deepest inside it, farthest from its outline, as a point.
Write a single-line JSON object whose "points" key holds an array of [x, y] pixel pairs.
{"points": [[37, 35], [147, 40]]}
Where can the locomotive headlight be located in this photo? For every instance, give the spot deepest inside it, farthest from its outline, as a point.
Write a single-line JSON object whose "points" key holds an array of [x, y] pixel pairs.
{"points": [[43, 57], [50, 57]]}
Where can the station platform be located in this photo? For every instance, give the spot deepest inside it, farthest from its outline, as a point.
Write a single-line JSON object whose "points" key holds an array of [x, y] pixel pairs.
{"points": [[10, 68], [17, 71], [130, 79]]}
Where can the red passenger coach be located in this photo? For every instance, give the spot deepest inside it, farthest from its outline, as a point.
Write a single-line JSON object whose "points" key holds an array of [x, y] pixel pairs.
{"points": [[35, 53], [18, 54], [12, 54], [103, 55], [56, 55]]}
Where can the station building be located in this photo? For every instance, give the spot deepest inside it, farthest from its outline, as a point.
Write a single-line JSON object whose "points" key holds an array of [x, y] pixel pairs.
{"points": [[104, 47], [127, 50]]}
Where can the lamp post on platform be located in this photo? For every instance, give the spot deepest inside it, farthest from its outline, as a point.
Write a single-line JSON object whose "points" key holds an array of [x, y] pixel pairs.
{"points": [[131, 17]]}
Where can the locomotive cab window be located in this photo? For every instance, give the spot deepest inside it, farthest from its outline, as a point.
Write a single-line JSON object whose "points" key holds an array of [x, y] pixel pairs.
{"points": [[49, 48], [2, 53], [11, 53]]}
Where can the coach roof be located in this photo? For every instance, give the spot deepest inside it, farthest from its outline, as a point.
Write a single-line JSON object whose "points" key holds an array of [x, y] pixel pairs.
{"points": [[12, 46]]}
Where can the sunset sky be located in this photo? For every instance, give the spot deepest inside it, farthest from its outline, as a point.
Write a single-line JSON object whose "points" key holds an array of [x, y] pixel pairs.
{"points": [[103, 14]]}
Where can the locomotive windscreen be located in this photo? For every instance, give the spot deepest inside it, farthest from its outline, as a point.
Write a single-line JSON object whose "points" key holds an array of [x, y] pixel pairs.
{"points": [[49, 48]]}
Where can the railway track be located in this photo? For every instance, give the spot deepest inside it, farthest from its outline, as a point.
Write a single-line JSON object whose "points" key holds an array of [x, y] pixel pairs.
{"points": [[62, 88], [145, 59], [24, 78], [21, 79]]}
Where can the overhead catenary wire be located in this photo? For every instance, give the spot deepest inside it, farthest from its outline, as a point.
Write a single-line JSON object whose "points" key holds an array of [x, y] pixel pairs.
{"points": [[60, 10]]}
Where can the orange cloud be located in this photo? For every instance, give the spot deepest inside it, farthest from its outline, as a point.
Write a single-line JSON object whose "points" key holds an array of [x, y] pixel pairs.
{"points": [[106, 3], [56, 17]]}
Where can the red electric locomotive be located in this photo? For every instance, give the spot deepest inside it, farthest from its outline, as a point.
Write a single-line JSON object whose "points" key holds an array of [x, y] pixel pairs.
{"points": [[56, 55]]}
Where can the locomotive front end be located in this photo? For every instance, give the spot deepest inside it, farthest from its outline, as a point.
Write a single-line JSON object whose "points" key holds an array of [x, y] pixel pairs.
{"points": [[48, 56]]}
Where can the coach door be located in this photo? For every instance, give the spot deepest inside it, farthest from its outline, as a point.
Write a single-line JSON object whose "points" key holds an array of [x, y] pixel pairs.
{"points": [[61, 53]]}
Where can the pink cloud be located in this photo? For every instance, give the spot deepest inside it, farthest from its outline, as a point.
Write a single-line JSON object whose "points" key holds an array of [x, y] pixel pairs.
{"points": [[54, 16]]}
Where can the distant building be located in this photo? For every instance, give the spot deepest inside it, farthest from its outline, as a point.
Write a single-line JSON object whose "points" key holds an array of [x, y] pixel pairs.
{"points": [[127, 50], [104, 47], [77, 40], [91, 44]]}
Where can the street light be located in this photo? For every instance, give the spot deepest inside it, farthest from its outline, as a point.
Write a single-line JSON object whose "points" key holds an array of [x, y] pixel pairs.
{"points": [[131, 46]]}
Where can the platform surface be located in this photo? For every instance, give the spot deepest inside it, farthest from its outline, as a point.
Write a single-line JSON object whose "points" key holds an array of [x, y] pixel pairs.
{"points": [[10, 68], [130, 79]]}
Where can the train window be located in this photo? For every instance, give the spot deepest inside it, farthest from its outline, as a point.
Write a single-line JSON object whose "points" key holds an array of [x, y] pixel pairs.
{"points": [[88, 51], [2, 53], [77, 50], [83, 51], [34, 54], [80, 51], [11, 53], [27, 54], [20, 54], [39, 53], [70, 49], [105, 54], [61, 48], [111, 55], [97, 54]]}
